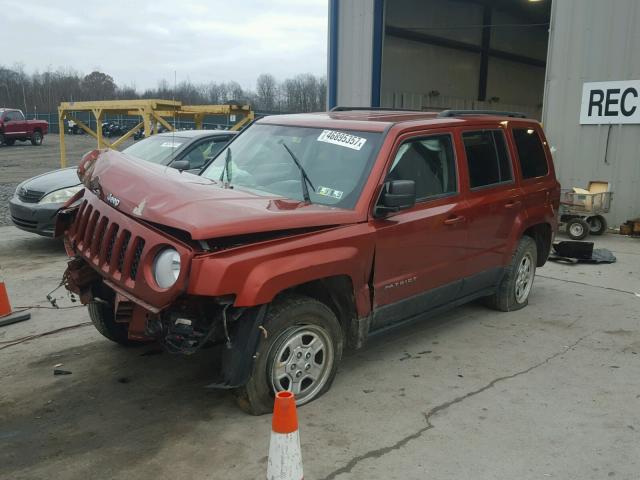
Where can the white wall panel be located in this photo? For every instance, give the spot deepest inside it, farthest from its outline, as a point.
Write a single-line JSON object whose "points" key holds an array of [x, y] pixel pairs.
{"points": [[591, 41]]}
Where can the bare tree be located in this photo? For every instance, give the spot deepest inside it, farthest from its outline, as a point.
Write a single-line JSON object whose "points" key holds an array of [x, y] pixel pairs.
{"points": [[266, 91]]}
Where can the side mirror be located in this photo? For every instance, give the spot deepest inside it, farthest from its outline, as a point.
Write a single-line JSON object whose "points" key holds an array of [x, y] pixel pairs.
{"points": [[397, 195], [180, 165]]}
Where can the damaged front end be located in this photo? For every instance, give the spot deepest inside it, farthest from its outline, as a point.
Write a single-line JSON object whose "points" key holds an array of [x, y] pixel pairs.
{"points": [[112, 266]]}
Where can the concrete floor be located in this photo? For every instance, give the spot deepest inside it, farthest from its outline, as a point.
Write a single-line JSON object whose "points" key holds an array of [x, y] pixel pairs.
{"points": [[551, 391]]}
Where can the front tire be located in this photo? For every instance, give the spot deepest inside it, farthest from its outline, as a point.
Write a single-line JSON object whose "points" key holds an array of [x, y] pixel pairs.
{"points": [[300, 354], [103, 319], [36, 138], [515, 286]]}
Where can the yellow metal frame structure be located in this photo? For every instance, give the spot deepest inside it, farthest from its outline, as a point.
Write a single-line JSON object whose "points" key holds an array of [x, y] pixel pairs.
{"points": [[153, 113]]}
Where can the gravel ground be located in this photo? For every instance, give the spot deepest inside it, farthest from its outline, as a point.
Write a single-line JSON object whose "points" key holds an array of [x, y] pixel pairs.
{"points": [[22, 161]]}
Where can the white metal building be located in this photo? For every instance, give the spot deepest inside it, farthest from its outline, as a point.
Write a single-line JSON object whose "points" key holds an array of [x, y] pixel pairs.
{"points": [[531, 56]]}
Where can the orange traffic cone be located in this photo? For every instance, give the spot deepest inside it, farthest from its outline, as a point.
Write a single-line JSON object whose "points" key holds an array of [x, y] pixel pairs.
{"points": [[7, 316], [285, 458]]}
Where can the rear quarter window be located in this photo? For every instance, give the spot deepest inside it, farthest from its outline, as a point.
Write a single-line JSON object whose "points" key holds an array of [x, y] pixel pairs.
{"points": [[533, 161]]}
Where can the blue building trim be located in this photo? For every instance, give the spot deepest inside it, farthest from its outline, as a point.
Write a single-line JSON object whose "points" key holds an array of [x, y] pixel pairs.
{"points": [[333, 52], [376, 64]]}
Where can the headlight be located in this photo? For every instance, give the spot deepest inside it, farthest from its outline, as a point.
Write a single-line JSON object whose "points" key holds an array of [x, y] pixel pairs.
{"points": [[166, 267], [62, 195]]}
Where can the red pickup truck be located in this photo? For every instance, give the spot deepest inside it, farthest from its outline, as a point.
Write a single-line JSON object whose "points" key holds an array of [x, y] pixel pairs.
{"points": [[13, 126], [309, 233]]}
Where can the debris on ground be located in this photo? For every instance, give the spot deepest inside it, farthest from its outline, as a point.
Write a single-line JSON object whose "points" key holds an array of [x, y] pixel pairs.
{"points": [[631, 228], [580, 252], [58, 371]]}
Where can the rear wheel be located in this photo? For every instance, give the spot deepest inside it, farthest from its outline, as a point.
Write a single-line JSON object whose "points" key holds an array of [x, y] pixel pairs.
{"points": [[515, 287], [36, 138], [300, 354], [2, 138], [597, 225], [577, 229]]}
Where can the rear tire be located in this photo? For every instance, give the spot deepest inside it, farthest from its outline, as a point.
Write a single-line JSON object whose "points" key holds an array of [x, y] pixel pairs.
{"points": [[577, 229], [36, 138], [517, 282], [301, 352], [597, 225], [103, 319], [2, 139]]}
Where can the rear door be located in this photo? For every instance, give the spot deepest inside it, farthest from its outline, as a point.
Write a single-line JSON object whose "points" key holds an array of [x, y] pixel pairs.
{"points": [[420, 251], [495, 201]]}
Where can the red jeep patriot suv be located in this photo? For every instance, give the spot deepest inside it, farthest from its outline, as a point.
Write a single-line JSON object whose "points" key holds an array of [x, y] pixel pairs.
{"points": [[307, 234]]}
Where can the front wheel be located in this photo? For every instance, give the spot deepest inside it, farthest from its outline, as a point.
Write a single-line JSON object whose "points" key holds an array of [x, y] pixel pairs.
{"points": [[103, 319], [515, 286], [36, 138], [300, 354]]}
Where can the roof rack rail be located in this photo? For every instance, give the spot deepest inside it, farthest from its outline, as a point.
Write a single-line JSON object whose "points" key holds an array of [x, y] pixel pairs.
{"points": [[459, 113], [340, 108]]}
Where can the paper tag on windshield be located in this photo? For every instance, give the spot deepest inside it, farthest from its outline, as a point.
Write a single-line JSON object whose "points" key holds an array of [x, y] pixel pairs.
{"points": [[329, 192], [170, 145], [342, 139]]}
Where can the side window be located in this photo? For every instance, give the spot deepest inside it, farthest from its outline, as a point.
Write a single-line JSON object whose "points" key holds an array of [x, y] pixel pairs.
{"points": [[430, 162], [487, 158], [13, 117], [533, 161]]}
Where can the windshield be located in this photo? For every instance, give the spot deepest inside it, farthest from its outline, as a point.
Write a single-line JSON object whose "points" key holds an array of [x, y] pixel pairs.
{"points": [[336, 163], [156, 149]]}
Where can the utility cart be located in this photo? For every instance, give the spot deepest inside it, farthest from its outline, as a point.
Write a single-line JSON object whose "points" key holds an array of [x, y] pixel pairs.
{"points": [[582, 210]]}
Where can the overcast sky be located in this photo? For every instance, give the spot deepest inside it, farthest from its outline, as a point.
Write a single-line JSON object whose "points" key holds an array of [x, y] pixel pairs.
{"points": [[139, 42]]}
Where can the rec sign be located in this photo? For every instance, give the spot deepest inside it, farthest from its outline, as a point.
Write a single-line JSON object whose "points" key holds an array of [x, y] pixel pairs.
{"points": [[610, 102]]}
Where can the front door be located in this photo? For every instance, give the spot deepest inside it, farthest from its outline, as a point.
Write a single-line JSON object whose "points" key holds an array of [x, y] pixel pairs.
{"points": [[419, 251]]}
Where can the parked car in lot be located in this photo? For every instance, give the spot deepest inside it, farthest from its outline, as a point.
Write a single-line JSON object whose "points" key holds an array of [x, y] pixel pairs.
{"points": [[36, 201], [13, 126], [309, 233]]}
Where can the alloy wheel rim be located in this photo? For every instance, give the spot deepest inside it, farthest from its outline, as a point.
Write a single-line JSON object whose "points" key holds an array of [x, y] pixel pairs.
{"points": [[524, 278], [302, 361]]}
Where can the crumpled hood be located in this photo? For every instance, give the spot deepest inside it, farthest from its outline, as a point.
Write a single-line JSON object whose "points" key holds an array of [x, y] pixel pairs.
{"points": [[197, 205]]}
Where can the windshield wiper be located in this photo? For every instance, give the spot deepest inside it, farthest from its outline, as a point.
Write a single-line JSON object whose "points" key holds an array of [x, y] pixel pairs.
{"points": [[304, 178], [227, 167]]}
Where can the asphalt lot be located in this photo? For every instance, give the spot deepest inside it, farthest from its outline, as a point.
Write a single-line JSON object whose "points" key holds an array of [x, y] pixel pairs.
{"points": [[550, 391], [22, 161]]}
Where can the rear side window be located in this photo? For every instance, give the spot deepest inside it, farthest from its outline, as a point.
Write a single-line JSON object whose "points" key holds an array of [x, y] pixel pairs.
{"points": [[428, 161], [487, 158], [533, 161]]}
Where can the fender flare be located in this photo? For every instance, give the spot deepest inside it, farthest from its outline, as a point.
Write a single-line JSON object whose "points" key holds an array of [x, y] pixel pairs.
{"points": [[275, 275]]}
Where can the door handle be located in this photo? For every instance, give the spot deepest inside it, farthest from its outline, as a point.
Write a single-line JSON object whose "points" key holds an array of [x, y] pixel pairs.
{"points": [[513, 204], [454, 220]]}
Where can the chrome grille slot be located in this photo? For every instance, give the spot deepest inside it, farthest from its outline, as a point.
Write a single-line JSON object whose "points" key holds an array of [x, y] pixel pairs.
{"points": [[88, 234], [136, 258], [123, 249], [100, 232], [112, 242]]}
